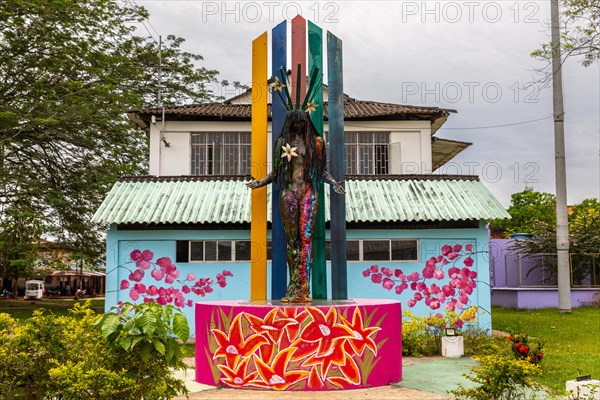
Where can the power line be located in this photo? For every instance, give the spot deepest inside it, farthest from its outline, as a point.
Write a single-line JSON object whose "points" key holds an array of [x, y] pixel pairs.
{"points": [[502, 126], [459, 128]]}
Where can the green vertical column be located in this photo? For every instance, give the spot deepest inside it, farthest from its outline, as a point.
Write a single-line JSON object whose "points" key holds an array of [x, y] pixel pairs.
{"points": [[315, 60], [335, 119]]}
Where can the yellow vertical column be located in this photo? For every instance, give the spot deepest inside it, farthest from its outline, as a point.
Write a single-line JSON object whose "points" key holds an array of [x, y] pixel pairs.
{"points": [[258, 224]]}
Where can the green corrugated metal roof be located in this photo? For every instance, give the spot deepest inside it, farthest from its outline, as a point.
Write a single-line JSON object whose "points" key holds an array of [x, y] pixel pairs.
{"points": [[390, 199]]}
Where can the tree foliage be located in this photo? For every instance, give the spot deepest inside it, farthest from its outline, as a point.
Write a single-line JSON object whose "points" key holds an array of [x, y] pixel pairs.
{"points": [[584, 241], [527, 209], [580, 32], [68, 72]]}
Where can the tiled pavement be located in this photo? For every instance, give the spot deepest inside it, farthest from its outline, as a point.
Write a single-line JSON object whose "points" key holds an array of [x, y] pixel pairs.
{"points": [[392, 392]]}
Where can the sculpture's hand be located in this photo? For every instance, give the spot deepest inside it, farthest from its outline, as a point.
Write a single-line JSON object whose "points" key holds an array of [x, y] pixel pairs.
{"points": [[253, 184], [338, 188]]}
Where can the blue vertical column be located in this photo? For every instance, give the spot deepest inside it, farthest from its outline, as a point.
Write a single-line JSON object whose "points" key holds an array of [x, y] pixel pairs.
{"points": [[335, 117], [278, 263]]}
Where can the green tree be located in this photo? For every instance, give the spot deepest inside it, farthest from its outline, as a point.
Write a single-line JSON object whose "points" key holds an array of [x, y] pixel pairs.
{"points": [[528, 210], [69, 69], [580, 32], [19, 233], [584, 241]]}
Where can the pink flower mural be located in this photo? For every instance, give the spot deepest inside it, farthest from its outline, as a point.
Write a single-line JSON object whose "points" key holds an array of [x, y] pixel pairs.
{"points": [[170, 287], [434, 286]]}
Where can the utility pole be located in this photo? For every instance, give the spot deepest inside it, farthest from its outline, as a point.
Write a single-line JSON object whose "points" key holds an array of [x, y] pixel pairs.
{"points": [[562, 224]]}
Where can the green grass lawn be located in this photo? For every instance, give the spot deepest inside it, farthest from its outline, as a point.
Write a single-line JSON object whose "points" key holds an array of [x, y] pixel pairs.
{"points": [[21, 309], [571, 341]]}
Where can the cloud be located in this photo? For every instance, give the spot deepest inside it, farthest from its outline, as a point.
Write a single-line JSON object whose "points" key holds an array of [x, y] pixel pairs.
{"points": [[470, 56]]}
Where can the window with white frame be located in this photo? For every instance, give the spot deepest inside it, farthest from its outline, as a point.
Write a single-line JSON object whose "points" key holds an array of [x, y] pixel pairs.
{"points": [[213, 250], [406, 250], [220, 153], [366, 153]]}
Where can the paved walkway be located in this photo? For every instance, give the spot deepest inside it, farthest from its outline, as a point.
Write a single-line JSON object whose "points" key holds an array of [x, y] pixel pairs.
{"points": [[427, 378]]}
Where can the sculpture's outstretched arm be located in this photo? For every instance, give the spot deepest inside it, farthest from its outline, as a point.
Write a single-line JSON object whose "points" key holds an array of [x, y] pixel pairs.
{"points": [[337, 186], [254, 184]]}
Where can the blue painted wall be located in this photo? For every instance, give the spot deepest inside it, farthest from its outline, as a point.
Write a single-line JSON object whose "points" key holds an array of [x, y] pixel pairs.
{"points": [[163, 244]]}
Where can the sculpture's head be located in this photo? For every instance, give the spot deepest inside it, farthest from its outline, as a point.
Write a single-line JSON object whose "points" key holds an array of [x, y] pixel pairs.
{"points": [[298, 121]]}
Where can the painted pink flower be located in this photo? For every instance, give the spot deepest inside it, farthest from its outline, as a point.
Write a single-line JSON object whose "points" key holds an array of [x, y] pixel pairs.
{"points": [[431, 262], [136, 275], [468, 262], [428, 272], [414, 276], [161, 300], [164, 262], [190, 303], [135, 255], [374, 268], [469, 247], [438, 274], [142, 264], [398, 273], [185, 289], [208, 289], [412, 302], [169, 279], [376, 278], [366, 272], [191, 277], [227, 273], [222, 283], [448, 290], [152, 290], [421, 286], [446, 249], [124, 284], [140, 287], [452, 256], [157, 274], [386, 271], [418, 296], [472, 274], [134, 295], [399, 289], [434, 304], [147, 255], [388, 283], [457, 248]]}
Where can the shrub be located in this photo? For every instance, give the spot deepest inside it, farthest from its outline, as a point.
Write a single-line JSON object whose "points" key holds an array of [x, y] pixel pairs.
{"points": [[499, 378], [524, 349], [423, 335], [69, 358]]}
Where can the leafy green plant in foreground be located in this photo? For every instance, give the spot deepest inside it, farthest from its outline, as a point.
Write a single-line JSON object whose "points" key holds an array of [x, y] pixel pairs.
{"points": [[73, 357]]}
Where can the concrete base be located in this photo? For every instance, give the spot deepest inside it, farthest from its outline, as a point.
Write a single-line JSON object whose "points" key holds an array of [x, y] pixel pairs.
{"points": [[324, 345], [588, 390], [453, 346]]}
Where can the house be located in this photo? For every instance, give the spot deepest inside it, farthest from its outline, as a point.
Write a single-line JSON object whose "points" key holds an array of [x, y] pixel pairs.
{"points": [[194, 208], [58, 268]]}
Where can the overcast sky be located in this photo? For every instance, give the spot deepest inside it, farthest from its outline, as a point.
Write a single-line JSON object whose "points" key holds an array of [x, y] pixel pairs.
{"points": [[472, 56]]}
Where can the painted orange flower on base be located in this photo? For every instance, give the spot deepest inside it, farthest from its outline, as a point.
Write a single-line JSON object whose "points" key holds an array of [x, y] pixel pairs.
{"points": [[361, 336], [233, 346], [238, 377], [324, 329], [275, 376]]}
